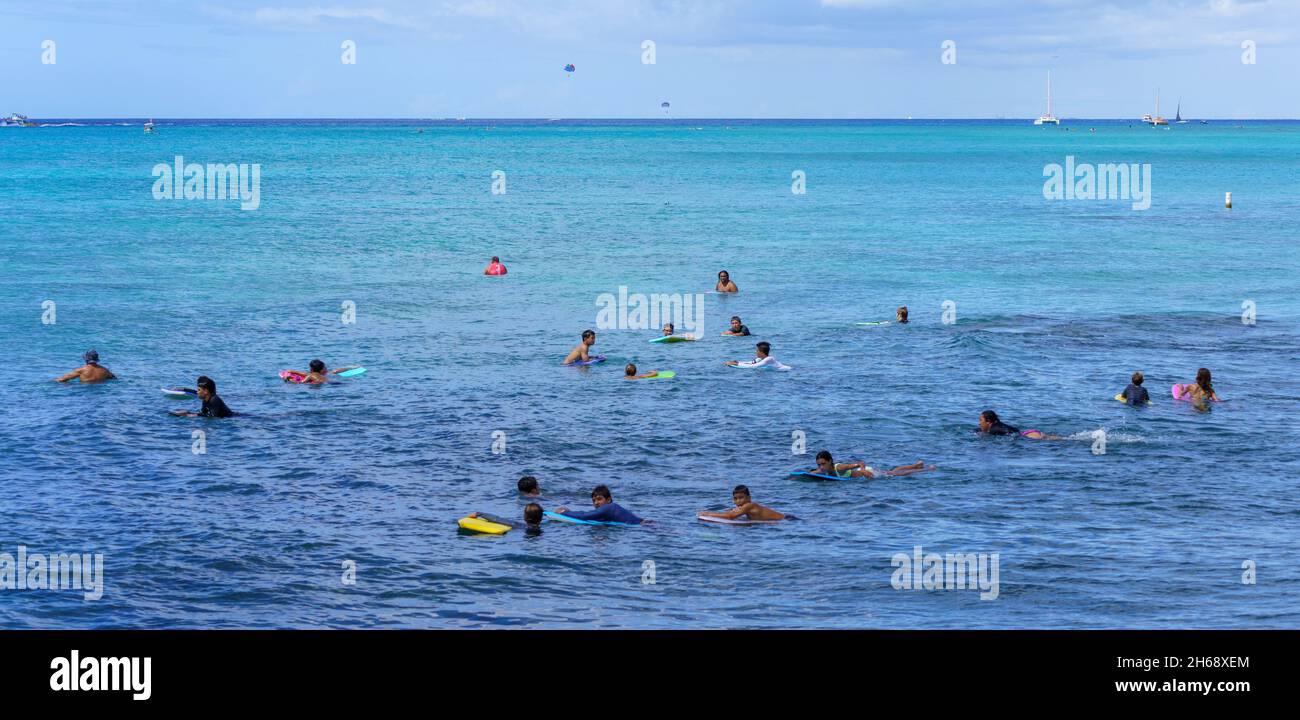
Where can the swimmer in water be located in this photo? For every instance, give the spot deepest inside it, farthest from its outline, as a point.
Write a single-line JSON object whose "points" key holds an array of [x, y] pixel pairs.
{"points": [[528, 486], [827, 466], [91, 372], [315, 376], [990, 424], [737, 327], [1202, 391], [745, 506], [900, 315], [532, 523], [669, 329], [580, 351], [1135, 394], [213, 406], [606, 509], [725, 285], [495, 267], [764, 359], [629, 373]]}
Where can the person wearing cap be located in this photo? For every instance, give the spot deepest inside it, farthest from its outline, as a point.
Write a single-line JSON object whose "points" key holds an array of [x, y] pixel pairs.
{"points": [[91, 372]]}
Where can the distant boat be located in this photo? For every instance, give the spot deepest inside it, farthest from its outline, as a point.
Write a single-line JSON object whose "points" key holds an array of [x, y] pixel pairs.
{"points": [[1048, 118], [1178, 114], [1157, 120], [148, 127], [16, 120]]}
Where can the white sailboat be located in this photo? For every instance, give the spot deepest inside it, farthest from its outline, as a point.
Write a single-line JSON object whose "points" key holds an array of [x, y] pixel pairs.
{"points": [[1048, 118], [1178, 114], [148, 127]]}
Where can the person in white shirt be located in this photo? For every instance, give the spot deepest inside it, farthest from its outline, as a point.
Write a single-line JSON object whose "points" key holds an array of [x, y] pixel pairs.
{"points": [[764, 359]]}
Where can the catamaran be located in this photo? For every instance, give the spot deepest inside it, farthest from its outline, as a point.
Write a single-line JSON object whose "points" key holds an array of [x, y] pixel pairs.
{"points": [[16, 120], [1048, 118]]}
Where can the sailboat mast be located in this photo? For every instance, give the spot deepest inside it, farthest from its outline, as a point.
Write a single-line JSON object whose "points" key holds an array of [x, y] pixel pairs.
{"points": [[1049, 92]]}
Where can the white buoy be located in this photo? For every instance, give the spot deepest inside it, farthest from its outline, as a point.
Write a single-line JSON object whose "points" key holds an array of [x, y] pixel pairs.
{"points": [[1227, 201]]}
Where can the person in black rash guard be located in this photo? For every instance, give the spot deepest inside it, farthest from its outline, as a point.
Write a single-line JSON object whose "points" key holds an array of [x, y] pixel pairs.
{"points": [[213, 406], [1135, 394], [606, 509], [737, 327], [991, 425]]}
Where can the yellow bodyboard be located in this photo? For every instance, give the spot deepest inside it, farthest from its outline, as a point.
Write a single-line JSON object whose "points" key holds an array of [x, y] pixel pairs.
{"points": [[483, 526]]}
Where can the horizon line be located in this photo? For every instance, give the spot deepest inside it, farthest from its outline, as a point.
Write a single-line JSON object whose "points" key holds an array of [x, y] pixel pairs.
{"points": [[647, 118]]}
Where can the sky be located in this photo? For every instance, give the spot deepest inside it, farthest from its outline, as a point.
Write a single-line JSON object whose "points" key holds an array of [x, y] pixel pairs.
{"points": [[712, 58]]}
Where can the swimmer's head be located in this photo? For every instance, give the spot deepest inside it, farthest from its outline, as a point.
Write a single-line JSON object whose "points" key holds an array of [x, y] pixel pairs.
{"points": [[668, 328], [988, 419], [207, 387], [533, 514], [1203, 378], [740, 495], [629, 370], [600, 496], [901, 314], [528, 485], [496, 260], [723, 276], [1137, 378], [825, 462], [764, 348], [735, 323], [589, 337], [90, 356], [317, 366]]}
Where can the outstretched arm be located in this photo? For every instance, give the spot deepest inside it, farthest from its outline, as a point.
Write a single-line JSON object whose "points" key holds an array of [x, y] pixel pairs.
{"points": [[69, 376]]}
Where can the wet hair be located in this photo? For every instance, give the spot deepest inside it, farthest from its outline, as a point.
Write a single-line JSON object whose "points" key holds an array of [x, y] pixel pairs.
{"points": [[588, 333], [207, 383], [990, 416], [824, 455], [496, 259], [602, 491], [741, 490], [1137, 378], [670, 327], [765, 347], [902, 314], [527, 484], [724, 272], [91, 356], [1203, 379], [317, 366], [629, 369], [533, 514], [736, 318]]}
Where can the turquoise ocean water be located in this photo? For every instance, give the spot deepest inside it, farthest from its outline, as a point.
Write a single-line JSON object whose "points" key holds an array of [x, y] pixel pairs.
{"points": [[1056, 303]]}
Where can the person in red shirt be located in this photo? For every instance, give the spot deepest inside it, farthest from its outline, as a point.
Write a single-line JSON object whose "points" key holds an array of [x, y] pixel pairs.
{"points": [[495, 267]]}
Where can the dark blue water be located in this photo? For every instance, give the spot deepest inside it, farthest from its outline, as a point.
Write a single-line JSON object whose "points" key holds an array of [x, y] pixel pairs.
{"points": [[1057, 302]]}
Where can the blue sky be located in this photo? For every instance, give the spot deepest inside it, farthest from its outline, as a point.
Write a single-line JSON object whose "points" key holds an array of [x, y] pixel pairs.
{"points": [[714, 58]]}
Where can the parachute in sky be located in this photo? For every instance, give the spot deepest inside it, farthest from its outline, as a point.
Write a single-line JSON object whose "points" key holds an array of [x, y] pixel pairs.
{"points": [[664, 105], [569, 68]]}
